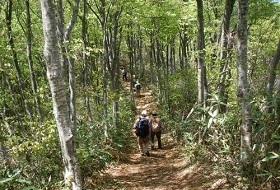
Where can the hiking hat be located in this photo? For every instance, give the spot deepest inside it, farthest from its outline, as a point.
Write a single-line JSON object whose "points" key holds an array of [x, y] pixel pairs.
{"points": [[144, 113], [154, 114]]}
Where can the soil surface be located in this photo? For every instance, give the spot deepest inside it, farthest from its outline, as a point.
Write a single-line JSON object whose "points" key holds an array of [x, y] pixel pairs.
{"points": [[165, 169]]}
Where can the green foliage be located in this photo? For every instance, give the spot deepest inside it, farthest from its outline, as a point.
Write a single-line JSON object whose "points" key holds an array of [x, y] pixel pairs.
{"points": [[94, 150], [182, 91], [38, 154], [15, 178], [32, 140]]}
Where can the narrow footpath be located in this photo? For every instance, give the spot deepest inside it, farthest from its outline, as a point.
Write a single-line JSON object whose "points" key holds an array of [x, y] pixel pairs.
{"points": [[165, 169]]}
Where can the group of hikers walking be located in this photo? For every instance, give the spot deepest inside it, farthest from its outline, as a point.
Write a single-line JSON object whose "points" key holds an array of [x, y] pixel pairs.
{"points": [[137, 85], [146, 128]]}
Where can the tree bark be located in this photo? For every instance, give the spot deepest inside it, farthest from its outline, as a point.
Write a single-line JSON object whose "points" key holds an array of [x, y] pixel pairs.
{"points": [[202, 88], [271, 79], [243, 86], [131, 58], [183, 52], [30, 60], [269, 98], [67, 60], [226, 41], [87, 68], [109, 17], [20, 87], [140, 50], [72, 176]]}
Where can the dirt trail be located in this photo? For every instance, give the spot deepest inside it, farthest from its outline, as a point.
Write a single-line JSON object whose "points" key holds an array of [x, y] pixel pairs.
{"points": [[165, 169]]}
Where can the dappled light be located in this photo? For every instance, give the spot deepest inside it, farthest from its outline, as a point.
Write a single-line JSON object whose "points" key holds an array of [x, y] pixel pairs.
{"points": [[165, 169]]}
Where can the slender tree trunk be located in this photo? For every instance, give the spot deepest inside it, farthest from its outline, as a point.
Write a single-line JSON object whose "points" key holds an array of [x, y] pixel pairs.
{"points": [[72, 175], [105, 103], [109, 19], [86, 65], [7, 157], [20, 100], [269, 98], [60, 31], [22, 103], [202, 89], [28, 156], [68, 60], [140, 55], [271, 79], [15, 108], [152, 59], [104, 69], [116, 37], [173, 57], [158, 61], [226, 38], [243, 86], [29, 59], [129, 42], [183, 45]]}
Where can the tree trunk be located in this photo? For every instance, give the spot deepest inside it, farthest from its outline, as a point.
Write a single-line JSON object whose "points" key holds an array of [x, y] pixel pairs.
{"points": [[68, 60], [183, 48], [72, 176], [111, 33], [21, 100], [226, 39], [243, 87], [130, 46], [271, 79], [202, 89], [140, 50], [152, 59], [272, 130], [159, 62], [87, 69], [116, 38], [7, 157], [30, 61]]}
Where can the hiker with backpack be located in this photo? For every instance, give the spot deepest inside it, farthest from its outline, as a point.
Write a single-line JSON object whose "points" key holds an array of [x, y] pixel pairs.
{"points": [[124, 74], [142, 131], [156, 130], [138, 88]]}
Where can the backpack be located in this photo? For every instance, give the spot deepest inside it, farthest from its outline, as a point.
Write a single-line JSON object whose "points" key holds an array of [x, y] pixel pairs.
{"points": [[138, 86], [124, 72], [142, 129], [155, 126]]}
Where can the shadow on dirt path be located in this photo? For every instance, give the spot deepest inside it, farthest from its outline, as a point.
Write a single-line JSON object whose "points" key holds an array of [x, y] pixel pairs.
{"points": [[165, 169]]}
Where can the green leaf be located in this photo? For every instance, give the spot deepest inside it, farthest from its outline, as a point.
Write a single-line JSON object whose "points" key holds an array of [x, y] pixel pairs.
{"points": [[3, 181], [20, 180], [272, 156]]}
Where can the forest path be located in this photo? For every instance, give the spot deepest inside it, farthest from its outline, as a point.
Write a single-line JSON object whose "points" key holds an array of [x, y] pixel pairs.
{"points": [[165, 169]]}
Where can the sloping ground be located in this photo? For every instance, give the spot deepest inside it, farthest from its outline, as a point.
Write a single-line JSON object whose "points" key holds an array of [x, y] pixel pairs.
{"points": [[165, 169]]}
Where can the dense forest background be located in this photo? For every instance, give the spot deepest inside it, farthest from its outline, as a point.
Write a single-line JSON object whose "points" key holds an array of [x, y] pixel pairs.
{"points": [[212, 65]]}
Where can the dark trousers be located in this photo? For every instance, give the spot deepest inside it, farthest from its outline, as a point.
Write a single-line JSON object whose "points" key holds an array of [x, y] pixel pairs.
{"points": [[124, 77], [158, 135]]}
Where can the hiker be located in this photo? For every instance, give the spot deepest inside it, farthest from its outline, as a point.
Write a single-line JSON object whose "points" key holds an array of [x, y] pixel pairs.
{"points": [[142, 132], [138, 88], [156, 127], [124, 74]]}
